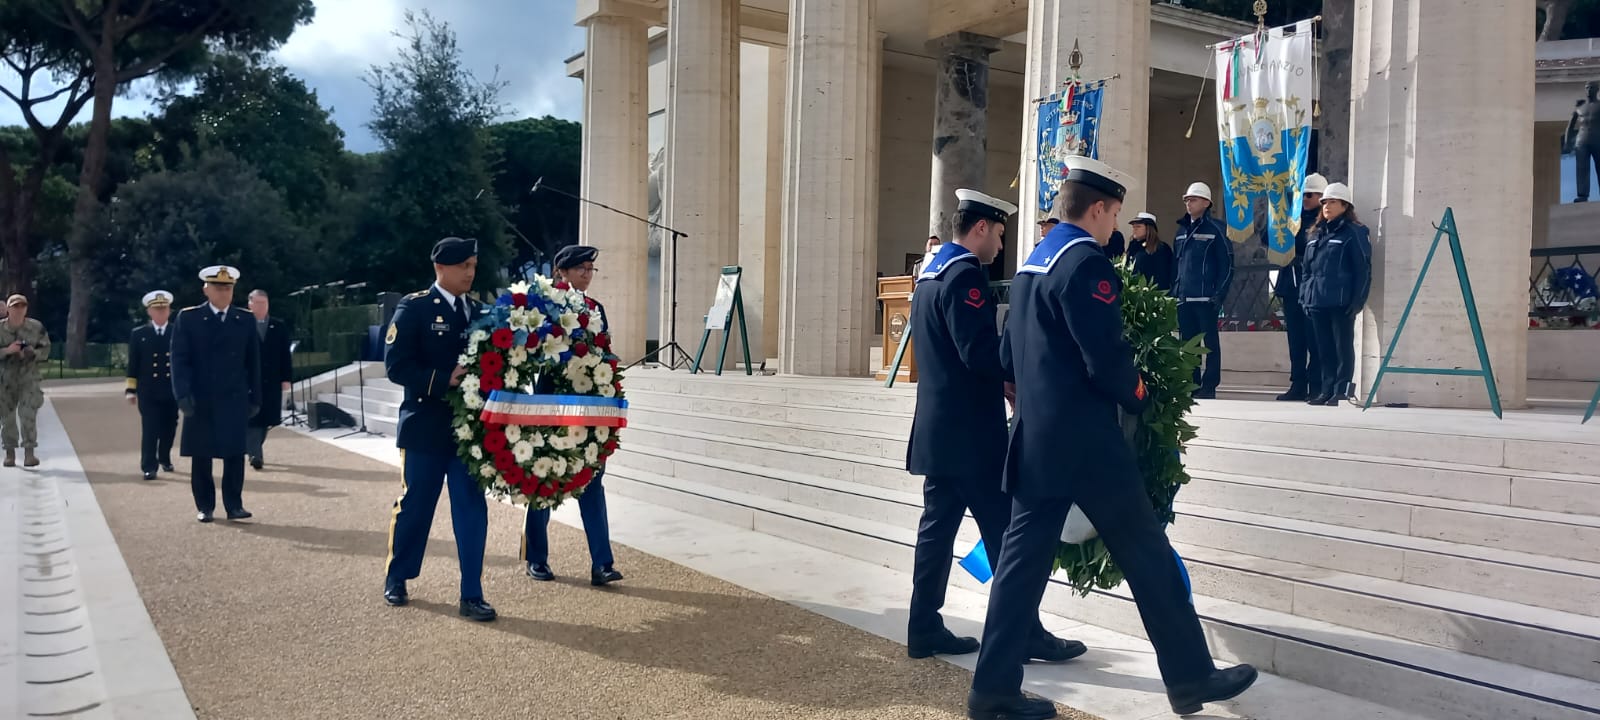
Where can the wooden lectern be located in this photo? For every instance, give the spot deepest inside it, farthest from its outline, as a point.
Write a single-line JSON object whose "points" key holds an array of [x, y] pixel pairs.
{"points": [[895, 292]]}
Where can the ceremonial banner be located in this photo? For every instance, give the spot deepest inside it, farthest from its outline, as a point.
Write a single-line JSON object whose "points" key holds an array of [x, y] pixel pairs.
{"points": [[1265, 90], [1069, 124]]}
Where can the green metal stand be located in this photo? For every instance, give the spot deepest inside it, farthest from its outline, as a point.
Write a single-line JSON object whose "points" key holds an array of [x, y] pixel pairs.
{"points": [[1485, 371], [1592, 402], [899, 355], [736, 309]]}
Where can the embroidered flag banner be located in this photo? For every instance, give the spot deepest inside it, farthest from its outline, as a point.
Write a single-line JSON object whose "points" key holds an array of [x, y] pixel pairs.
{"points": [[1069, 124], [1265, 94]]}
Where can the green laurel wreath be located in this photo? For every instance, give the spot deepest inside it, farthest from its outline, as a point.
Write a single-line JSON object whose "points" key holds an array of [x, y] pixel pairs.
{"points": [[1150, 324]]}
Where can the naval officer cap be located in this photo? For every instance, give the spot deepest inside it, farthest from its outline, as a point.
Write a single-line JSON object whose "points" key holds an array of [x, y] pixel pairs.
{"points": [[572, 256], [454, 250], [220, 275], [157, 298], [984, 206], [1098, 175]]}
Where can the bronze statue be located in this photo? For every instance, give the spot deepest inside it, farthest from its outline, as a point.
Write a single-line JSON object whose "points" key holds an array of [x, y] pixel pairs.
{"points": [[1583, 138]]}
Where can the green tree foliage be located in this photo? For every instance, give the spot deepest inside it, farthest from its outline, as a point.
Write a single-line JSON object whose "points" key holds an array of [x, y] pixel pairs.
{"points": [[528, 150], [434, 179]]}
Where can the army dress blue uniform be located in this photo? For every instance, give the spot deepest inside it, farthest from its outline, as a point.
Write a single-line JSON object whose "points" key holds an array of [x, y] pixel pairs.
{"points": [[216, 363], [150, 384], [1064, 344], [424, 343]]}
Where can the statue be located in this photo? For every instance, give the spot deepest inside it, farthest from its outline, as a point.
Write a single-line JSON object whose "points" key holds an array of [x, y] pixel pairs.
{"points": [[1583, 138]]}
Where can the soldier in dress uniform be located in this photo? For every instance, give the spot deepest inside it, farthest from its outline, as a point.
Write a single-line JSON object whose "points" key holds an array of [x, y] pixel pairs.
{"points": [[574, 264], [424, 342], [23, 343], [150, 384], [1064, 346], [216, 364], [958, 434]]}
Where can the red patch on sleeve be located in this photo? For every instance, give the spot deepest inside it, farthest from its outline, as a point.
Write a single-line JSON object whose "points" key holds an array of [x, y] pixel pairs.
{"points": [[975, 298], [1103, 293]]}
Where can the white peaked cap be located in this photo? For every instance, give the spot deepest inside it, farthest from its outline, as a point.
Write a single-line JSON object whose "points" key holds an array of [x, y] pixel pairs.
{"points": [[1098, 175], [986, 205], [1199, 190], [157, 297], [226, 274], [1338, 191], [1144, 217], [1315, 183]]}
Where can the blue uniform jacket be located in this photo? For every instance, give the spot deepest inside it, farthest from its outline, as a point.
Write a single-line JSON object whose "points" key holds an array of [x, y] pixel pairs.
{"points": [[1063, 343], [1288, 285], [424, 342], [216, 371], [959, 429], [1205, 261], [150, 364], [1337, 267]]}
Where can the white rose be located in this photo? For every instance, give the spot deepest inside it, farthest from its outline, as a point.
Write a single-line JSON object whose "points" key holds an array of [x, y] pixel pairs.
{"points": [[602, 374], [513, 433], [486, 470], [558, 466], [463, 432], [477, 452], [607, 391], [602, 433], [569, 321], [542, 467], [522, 451], [472, 400], [591, 453]]}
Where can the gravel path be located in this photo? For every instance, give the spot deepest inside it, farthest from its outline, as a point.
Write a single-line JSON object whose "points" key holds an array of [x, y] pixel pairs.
{"points": [[281, 617]]}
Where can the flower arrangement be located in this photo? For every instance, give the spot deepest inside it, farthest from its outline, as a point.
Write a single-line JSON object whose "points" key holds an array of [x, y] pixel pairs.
{"points": [[539, 409]]}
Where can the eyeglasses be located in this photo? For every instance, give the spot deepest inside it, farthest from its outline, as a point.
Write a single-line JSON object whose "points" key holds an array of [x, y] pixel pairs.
{"points": [[584, 270]]}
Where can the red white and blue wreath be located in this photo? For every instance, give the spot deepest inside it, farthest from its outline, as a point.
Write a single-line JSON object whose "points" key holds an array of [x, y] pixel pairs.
{"points": [[538, 449]]}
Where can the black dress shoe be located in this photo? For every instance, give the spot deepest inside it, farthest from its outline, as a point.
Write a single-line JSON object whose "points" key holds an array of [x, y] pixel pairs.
{"points": [[256, 463], [1052, 649], [604, 576], [203, 516], [395, 594], [541, 573], [1333, 401], [1321, 399], [947, 644], [1293, 395], [981, 706], [166, 467], [1224, 684], [239, 514], [149, 474], [477, 611], [1205, 394]]}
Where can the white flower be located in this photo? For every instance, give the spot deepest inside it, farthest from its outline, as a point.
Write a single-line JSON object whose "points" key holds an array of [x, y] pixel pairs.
{"points": [[545, 284], [558, 466], [512, 379], [469, 384], [536, 439], [568, 321], [486, 470], [535, 318], [553, 346], [518, 498], [513, 433], [596, 323], [602, 433], [582, 384], [465, 359], [591, 453], [522, 451], [602, 374], [517, 357], [463, 432], [593, 359], [472, 400], [519, 287], [477, 452], [542, 467], [477, 337], [607, 391]]}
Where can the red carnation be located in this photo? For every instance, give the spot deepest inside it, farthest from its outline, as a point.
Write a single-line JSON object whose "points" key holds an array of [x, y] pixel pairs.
{"points": [[529, 485], [580, 348], [492, 362], [610, 446], [603, 340], [547, 489], [563, 285], [616, 385], [503, 338], [583, 477], [504, 462], [583, 320], [519, 299], [494, 441], [515, 476], [557, 330], [491, 383]]}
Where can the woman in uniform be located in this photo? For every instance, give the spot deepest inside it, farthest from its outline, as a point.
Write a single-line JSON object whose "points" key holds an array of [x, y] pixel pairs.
{"points": [[1336, 278], [1151, 257]]}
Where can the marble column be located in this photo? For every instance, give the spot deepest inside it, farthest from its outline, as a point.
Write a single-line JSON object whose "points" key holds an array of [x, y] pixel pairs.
{"points": [[960, 124], [830, 188], [614, 172], [764, 77], [701, 192], [1443, 117], [1114, 36]]}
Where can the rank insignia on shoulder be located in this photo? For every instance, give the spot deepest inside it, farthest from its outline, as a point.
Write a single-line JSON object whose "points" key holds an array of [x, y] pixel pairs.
{"points": [[975, 298], [394, 330], [1103, 293]]}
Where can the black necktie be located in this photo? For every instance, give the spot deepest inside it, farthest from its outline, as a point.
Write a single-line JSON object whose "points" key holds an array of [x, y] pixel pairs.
{"points": [[461, 308]]}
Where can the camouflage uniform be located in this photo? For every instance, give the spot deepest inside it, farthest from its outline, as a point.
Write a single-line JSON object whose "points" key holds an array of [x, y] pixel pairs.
{"points": [[20, 396]]}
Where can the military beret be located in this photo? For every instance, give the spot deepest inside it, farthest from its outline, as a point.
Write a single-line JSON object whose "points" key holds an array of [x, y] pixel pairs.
{"points": [[454, 250], [572, 256]]}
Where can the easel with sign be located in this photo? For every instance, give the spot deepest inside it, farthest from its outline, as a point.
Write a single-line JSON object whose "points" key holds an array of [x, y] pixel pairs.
{"points": [[729, 301], [1446, 228]]}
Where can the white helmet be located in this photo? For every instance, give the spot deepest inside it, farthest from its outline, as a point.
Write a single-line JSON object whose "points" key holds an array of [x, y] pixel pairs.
{"points": [[1315, 183], [1199, 190], [1338, 191]]}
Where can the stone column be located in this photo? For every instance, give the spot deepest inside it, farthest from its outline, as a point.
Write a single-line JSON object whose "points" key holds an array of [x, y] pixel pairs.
{"points": [[615, 150], [1114, 36], [830, 188], [1546, 179], [701, 193], [765, 79], [1436, 92], [960, 125]]}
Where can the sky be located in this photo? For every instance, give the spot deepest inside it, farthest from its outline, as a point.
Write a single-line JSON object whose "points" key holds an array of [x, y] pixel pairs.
{"points": [[527, 40]]}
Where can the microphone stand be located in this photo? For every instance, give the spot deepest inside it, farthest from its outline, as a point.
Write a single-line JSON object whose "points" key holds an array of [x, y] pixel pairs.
{"points": [[680, 357], [361, 391]]}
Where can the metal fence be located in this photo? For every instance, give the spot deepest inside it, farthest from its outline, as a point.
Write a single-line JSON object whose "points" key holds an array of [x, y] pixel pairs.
{"points": [[1561, 285]]}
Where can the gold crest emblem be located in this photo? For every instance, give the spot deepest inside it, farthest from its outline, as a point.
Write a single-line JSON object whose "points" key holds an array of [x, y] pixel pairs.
{"points": [[393, 331]]}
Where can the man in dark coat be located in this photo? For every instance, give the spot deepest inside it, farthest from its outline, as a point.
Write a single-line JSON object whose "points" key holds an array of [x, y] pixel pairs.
{"points": [[425, 339], [958, 434], [150, 384], [216, 370], [1203, 277], [1064, 347], [1305, 374], [277, 370]]}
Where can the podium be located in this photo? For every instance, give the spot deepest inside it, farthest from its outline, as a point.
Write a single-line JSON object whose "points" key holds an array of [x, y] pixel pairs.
{"points": [[895, 293]]}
